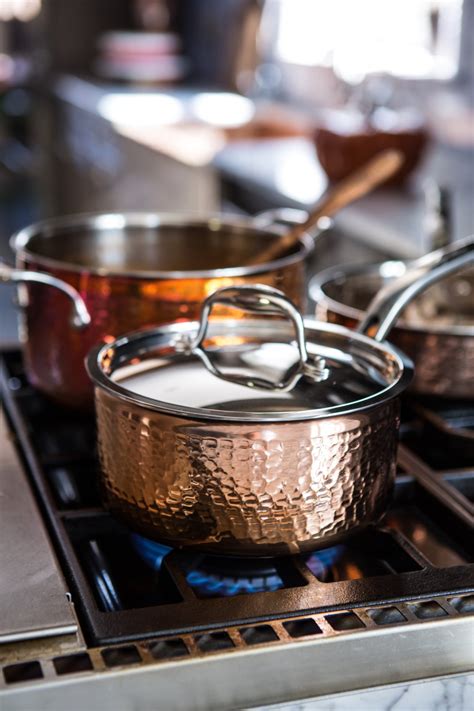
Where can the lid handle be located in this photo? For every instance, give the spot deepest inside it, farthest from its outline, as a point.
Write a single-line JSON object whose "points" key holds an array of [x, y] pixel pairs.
{"points": [[258, 299], [386, 306]]}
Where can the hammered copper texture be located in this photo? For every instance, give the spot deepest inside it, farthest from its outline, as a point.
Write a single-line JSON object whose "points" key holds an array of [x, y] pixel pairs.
{"points": [[55, 351], [444, 364], [246, 489]]}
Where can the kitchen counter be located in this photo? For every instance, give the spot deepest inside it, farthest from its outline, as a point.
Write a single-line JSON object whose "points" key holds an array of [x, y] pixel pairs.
{"points": [[159, 120], [454, 693]]}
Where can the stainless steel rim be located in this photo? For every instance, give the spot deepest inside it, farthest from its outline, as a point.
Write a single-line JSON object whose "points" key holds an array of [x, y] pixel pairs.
{"points": [[137, 343], [101, 221], [318, 294]]}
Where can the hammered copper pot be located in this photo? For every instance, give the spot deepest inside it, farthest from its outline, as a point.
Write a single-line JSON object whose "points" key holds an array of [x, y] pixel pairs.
{"points": [[119, 272], [255, 437], [203, 461], [436, 330], [242, 488]]}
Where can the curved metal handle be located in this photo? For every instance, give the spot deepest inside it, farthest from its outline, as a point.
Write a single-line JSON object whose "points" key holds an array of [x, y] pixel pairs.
{"points": [[387, 305], [80, 316], [258, 299]]}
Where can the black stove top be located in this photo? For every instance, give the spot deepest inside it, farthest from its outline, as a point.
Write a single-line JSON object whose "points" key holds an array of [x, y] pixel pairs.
{"points": [[126, 587]]}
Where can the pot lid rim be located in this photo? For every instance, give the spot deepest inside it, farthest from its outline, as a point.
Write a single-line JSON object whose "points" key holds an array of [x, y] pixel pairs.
{"points": [[382, 396]]}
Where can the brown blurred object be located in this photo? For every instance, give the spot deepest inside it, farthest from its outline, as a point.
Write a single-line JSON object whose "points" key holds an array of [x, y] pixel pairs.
{"points": [[343, 144]]}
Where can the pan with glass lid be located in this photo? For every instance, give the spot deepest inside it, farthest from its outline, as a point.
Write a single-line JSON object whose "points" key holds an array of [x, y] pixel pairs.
{"points": [[257, 436]]}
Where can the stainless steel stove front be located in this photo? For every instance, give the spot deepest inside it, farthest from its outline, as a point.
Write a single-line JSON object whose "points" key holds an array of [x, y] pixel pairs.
{"points": [[393, 645]]}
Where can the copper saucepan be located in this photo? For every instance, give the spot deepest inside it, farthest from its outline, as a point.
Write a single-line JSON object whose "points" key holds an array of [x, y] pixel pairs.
{"points": [[253, 437], [121, 272], [436, 330]]}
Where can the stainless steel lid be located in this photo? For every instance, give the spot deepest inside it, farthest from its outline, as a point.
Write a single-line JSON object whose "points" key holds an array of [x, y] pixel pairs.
{"points": [[251, 370]]}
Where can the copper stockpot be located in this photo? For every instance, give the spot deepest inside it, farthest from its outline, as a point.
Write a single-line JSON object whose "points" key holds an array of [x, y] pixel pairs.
{"points": [[197, 451], [127, 271], [436, 330]]}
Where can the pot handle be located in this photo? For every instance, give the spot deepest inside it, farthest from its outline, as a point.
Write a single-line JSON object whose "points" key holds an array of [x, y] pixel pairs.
{"points": [[80, 315], [386, 306], [258, 299]]}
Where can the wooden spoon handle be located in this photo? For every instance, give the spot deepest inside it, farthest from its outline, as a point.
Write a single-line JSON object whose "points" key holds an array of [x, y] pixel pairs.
{"points": [[355, 186]]}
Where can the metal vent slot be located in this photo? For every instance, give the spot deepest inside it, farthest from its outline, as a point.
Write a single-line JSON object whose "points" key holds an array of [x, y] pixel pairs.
{"points": [[214, 642], [464, 605], [121, 656], [428, 610], [344, 621], [72, 664], [386, 616], [260, 634], [302, 628], [25, 671], [168, 649]]}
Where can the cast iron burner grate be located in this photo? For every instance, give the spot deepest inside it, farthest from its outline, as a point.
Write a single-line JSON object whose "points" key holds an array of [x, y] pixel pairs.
{"points": [[441, 432], [215, 576], [128, 588]]}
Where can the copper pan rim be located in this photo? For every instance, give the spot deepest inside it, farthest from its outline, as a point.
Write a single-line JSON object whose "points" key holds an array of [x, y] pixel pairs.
{"points": [[116, 220]]}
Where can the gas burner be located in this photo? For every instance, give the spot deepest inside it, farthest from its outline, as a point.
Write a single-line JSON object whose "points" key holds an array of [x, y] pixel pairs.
{"points": [[213, 576], [218, 576], [151, 552], [324, 563]]}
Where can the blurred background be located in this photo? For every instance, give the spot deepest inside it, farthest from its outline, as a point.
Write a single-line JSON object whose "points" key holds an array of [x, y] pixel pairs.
{"points": [[238, 105]]}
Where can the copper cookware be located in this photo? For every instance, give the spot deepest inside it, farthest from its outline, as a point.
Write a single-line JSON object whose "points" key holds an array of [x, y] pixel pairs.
{"points": [[252, 437], [436, 330], [128, 271]]}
